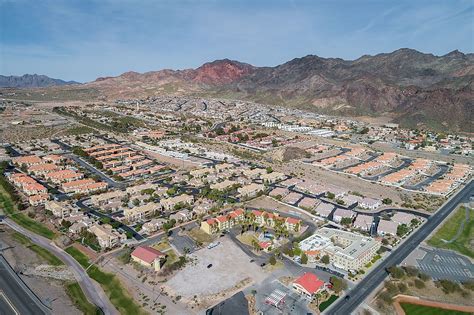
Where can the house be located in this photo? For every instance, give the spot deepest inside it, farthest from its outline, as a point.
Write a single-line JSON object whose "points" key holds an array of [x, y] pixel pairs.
{"points": [[363, 222], [308, 203], [324, 209], [292, 224], [272, 177], [254, 173], [403, 218], [308, 285], [250, 190], [102, 199], [63, 176], [34, 189], [37, 200], [292, 198], [339, 214], [148, 256], [182, 216], [279, 192], [41, 169], [106, 235], [27, 160], [226, 184], [370, 203], [139, 188], [59, 209], [387, 227], [170, 203], [152, 226]]}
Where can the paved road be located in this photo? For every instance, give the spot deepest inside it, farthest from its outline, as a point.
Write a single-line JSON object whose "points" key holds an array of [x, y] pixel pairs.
{"points": [[359, 293], [93, 291], [80, 203], [15, 295]]}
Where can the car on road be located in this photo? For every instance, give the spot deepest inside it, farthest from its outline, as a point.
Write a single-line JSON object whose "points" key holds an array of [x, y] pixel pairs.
{"points": [[262, 264]]}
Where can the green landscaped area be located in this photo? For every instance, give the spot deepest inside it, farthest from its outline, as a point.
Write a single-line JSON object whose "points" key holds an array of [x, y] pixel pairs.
{"points": [[324, 305], [22, 219], [415, 309], [450, 229], [111, 285], [75, 293], [40, 251]]}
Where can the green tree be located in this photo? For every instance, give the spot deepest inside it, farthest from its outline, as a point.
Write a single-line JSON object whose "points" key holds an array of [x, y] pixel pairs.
{"points": [[272, 260], [325, 259], [338, 284], [304, 259], [396, 272]]}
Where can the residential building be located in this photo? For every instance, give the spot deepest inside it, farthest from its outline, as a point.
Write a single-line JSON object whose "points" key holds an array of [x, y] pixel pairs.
{"points": [[272, 177], [250, 190], [387, 227], [37, 200], [223, 222], [106, 235], [171, 203], [370, 203], [363, 222], [141, 212], [339, 214], [148, 256]]}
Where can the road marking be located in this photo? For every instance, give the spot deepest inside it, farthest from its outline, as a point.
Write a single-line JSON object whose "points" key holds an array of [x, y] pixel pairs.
{"points": [[2, 295]]}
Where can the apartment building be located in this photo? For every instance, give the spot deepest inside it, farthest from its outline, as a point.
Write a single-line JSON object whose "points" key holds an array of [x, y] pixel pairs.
{"points": [[171, 203], [223, 222], [59, 209], [250, 190], [28, 160], [37, 200], [106, 235], [141, 212]]}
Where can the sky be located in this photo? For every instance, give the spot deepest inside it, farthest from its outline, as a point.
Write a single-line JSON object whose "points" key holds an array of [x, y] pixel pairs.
{"points": [[84, 39]]}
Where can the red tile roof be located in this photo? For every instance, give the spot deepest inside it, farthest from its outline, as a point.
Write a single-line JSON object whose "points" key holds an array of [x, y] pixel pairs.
{"points": [[310, 282], [147, 254]]}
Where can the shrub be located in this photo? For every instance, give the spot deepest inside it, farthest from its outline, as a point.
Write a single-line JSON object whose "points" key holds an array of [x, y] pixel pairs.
{"points": [[419, 284], [396, 272]]}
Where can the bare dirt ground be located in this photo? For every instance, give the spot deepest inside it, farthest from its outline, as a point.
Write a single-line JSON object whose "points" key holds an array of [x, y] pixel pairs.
{"points": [[231, 270], [49, 290], [350, 183]]}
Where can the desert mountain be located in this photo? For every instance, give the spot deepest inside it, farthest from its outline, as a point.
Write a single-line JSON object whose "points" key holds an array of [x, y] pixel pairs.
{"points": [[413, 88], [31, 81]]}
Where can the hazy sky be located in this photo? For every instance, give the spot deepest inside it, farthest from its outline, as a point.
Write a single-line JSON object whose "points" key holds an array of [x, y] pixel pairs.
{"points": [[82, 40]]}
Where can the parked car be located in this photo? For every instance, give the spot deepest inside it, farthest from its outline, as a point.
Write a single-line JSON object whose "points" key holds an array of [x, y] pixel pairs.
{"points": [[209, 266]]}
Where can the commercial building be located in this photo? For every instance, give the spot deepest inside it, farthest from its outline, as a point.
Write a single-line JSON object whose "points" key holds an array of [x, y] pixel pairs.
{"points": [[346, 250], [308, 285]]}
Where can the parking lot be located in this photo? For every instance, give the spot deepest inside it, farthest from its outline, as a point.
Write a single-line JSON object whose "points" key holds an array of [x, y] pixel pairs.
{"points": [[183, 243], [443, 264], [230, 265]]}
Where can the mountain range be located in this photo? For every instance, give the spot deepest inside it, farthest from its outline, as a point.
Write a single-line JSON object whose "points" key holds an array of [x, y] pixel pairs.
{"points": [[31, 81], [415, 89]]}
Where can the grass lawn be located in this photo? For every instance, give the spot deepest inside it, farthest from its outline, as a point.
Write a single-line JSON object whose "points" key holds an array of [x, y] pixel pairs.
{"points": [[324, 305], [247, 239], [40, 251], [10, 209], [162, 246], [414, 309], [74, 292], [200, 236], [449, 230], [117, 294]]}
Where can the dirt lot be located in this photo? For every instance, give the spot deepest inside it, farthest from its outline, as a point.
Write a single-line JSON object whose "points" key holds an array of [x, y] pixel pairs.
{"points": [[350, 183], [230, 267], [23, 259]]}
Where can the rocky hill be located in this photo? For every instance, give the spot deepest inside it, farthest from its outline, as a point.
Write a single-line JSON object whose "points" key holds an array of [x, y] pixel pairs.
{"points": [[413, 88], [31, 81]]}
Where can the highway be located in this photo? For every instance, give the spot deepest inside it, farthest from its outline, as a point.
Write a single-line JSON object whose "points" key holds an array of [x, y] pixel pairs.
{"points": [[359, 293], [15, 296], [93, 291]]}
